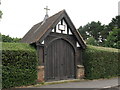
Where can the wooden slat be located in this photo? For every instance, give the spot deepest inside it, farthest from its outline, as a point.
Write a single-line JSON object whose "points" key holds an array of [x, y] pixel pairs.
{"points": [[60, 60]]}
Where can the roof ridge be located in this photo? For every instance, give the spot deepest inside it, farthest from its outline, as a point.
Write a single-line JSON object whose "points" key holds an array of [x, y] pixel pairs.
{"points": [[47, 19], [57, 13], [40, 30]]}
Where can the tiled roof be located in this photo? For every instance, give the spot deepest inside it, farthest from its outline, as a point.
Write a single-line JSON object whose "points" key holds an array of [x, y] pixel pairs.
{"points": [[43, 28]]}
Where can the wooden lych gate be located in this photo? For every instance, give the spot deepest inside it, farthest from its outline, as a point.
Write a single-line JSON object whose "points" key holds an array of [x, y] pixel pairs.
{"points": [[59, 47]]}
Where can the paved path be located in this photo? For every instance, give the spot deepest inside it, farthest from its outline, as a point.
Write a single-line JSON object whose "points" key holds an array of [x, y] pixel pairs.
{"points": [[106, 83]]}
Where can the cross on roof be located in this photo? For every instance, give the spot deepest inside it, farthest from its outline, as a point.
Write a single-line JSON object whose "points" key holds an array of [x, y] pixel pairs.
{"points": [[46, 10]]}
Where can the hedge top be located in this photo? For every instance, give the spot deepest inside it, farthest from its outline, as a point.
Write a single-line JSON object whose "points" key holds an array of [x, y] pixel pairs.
{"points": [[17, 46], [24, 46], [102, 48]]}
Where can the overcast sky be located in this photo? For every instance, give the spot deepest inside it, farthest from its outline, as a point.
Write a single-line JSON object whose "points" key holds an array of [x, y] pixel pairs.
{"points": [[20, 15]]}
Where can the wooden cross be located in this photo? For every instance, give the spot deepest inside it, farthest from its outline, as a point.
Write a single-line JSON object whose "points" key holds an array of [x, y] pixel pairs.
{"points": [[46, 10]]}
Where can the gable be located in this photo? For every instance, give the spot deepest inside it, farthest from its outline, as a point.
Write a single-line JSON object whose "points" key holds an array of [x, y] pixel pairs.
{"points": [[63, 27], [41, 30]]}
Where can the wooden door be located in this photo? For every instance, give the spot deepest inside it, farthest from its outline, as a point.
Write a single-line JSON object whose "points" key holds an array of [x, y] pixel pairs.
{"points": [[59, 61]]}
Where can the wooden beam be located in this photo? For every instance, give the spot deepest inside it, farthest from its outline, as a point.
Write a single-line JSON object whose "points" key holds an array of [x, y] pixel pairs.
{"points": [[61, 21], [67, 29], [55, 29]]}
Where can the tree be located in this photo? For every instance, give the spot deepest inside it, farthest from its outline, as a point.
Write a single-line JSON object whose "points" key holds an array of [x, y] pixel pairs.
{"points": [[92, 41], [9, 39], [113, 40], [16, 39], [1, 14], [95, 30], [98, 31], [115, 22]]}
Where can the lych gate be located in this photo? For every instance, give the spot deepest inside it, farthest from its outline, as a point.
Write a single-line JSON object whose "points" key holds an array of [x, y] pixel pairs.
{"points": [[59, 47]]}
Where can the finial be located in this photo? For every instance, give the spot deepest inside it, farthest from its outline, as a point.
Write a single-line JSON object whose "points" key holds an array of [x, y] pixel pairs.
{"points": [[46, 10], [46, 16]]}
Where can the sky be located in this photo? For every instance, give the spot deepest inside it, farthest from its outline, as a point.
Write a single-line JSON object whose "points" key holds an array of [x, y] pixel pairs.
{"points": [[20, 15]]}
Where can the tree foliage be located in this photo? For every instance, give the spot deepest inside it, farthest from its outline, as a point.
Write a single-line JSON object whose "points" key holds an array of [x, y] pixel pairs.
{"points": [[113, 39], [101, 33], [115, 22], [1, 14], [7, 38], [92, 41], [95, 30]]}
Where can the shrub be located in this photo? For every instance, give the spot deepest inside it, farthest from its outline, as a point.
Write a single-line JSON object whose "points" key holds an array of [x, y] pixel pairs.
{"points": [[19, 64], [100, 62]]}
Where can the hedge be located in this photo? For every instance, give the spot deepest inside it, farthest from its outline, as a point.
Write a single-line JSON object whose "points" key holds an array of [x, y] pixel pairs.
{"points": [[19, 64], [101, 62]]}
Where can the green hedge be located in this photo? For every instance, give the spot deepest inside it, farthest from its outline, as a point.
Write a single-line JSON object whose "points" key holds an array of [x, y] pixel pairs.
{"points": [[101, 62], [19, 64]]}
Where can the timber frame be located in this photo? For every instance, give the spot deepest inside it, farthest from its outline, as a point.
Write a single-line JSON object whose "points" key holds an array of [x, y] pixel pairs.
{"points": [[54, 42]]}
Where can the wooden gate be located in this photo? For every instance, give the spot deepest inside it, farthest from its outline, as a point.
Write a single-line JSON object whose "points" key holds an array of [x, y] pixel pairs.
{"points": [[60, 60]]}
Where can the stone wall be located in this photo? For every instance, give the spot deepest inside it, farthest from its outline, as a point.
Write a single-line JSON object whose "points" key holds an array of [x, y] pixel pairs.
{"points": [[80, 71], [40, 73], [41, 70]]}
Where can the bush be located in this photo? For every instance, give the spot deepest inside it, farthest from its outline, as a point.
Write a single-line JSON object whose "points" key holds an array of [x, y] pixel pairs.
{"points": [[19, 64], [100, 62]]}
